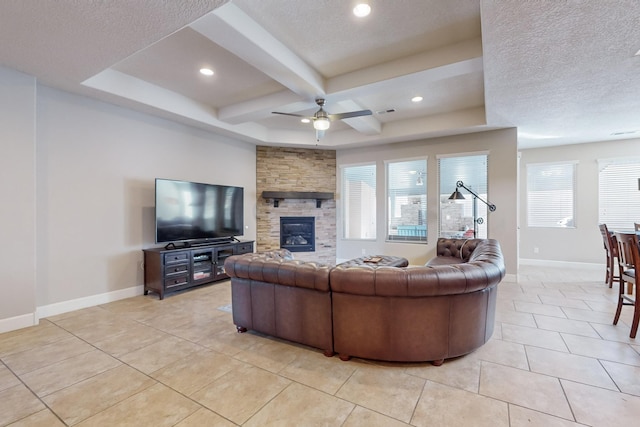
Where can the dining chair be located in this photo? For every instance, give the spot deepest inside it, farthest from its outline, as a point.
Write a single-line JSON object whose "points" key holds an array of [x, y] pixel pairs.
{"points": [[629, 263], [636, 226], [611, 249]]}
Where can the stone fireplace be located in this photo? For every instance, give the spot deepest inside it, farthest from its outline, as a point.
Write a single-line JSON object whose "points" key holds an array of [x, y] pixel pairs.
{"points": [[297, 180], [298, 233]]}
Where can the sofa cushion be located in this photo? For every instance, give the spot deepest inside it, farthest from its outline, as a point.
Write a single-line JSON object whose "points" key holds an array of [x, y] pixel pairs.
{"points": [[444, 260]]}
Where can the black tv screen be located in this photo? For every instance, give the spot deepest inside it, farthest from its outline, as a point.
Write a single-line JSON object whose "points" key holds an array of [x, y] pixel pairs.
{"points": [[187, 211]]}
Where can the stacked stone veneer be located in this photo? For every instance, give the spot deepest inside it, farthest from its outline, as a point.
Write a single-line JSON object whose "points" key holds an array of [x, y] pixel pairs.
{"points": [[296, 169]]}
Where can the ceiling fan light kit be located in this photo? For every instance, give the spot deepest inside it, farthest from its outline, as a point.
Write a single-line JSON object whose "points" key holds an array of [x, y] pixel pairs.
{"points": [[322, 120], [321, 123]]}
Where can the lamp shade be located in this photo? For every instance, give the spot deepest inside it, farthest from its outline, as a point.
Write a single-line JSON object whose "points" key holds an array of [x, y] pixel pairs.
{"points": [[321, 123], [456, 195]]}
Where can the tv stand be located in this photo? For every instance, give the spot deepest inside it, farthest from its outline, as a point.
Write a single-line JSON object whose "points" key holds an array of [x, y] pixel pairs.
{"points": [[172, 268], [220, 241]]}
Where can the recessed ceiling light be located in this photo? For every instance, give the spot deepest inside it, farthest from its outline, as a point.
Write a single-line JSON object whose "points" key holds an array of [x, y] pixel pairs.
{"points": [[305, 120], [416, 99], [206, 71], [361, 10]]}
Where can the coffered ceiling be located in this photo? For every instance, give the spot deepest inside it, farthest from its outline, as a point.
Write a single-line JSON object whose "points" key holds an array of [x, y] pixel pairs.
{"points": [[562, 72]]}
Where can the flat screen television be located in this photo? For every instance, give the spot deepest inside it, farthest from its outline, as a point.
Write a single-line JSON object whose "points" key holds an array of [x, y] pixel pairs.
{"points": [[193, 211]]}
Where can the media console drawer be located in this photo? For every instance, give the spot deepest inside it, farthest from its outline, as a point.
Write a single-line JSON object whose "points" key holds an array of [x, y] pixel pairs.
{"points": [[172, 282], [243, 248], [176, 257], [169, 270], [176, 269]]}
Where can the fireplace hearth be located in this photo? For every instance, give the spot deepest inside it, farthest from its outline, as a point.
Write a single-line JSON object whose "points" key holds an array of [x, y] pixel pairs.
{"points": [[298, 233]]}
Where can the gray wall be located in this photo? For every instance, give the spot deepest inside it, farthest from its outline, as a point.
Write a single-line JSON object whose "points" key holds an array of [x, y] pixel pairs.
{"points": [[502, 224], [83, 194], [18, 201], [583, 243]]}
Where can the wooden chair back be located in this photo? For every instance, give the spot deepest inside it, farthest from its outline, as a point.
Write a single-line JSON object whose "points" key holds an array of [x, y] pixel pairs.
{"points": [[610, 244], [628, 251], [629, 264]]}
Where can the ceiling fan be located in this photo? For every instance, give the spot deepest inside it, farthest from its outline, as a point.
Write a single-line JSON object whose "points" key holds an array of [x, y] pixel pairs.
{"points": [[322, 120]]}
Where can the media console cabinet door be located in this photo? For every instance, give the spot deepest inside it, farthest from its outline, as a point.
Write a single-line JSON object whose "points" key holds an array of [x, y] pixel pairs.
{"points": [[170, 270]]}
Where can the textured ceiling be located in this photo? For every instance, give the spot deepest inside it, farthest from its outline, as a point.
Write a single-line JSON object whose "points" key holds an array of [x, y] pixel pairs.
{"points": [[567, 72], [562, 72]]}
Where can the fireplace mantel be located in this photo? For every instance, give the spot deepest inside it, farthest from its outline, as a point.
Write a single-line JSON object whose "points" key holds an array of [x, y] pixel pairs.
{"points": [[281, 195]]}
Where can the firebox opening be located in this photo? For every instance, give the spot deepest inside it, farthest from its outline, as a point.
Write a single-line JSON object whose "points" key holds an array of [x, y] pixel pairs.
{"points": [[298, 233]]}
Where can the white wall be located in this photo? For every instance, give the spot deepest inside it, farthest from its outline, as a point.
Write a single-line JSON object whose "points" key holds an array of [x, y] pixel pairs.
{"points": [[583, 243], [80, 175], [17, 199], [502, 224]]}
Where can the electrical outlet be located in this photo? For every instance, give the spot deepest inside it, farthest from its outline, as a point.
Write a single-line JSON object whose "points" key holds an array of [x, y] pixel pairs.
{"points": [[364, 251], [536, 250]]}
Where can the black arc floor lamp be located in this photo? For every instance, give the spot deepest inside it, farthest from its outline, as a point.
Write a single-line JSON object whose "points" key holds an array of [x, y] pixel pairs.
{"points": [[457, 195]]}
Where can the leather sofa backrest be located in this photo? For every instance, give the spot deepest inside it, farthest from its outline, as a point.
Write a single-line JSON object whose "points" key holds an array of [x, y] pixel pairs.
{"points": [[485, 268], [279, 269], [457, 248]]}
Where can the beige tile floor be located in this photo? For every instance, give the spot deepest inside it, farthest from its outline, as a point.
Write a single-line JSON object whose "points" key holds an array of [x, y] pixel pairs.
{"points": [[554, 360]]}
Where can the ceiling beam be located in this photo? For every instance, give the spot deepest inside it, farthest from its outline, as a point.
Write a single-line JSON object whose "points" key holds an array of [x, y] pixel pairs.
{"points": [[413, 71], [231, 28], [259, 108], [368, 125]]}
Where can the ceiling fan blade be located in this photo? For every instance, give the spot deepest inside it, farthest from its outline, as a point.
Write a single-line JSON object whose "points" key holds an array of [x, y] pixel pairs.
{"points": [[341, 116], [288, 114]]}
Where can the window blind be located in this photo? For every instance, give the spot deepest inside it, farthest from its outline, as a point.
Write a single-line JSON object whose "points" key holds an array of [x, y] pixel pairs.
{"points": [[551, 194], [456, 217], [407, 201], [359, 201], [619, 193]]}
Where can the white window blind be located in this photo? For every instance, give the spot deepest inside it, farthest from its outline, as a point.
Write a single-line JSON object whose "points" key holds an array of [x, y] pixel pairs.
{"points": [[619, 192], [551, 194], [407, 201], [359, 201], [456, 216]]}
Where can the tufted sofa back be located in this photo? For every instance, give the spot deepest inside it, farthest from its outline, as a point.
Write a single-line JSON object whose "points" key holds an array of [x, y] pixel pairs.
{"points": [[446, 274], [457, 248], [280, 268]]}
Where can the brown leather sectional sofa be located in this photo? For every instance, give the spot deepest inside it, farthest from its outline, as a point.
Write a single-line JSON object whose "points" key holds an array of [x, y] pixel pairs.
{"points": [[393, 313]]}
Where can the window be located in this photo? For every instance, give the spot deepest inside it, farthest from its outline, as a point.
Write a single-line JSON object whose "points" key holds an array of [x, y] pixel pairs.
{"points": [[407, 201], [551, 194], [619, 193], [457, 216], [359, 201]]}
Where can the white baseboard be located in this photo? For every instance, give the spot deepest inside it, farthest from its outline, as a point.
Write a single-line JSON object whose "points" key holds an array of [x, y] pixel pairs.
{"points": [[552, 263], [513, 278], [90, 301], [18, 322]]}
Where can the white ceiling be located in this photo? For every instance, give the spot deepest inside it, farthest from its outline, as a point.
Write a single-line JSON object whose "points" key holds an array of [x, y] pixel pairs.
{"points": [[562, 72]]}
